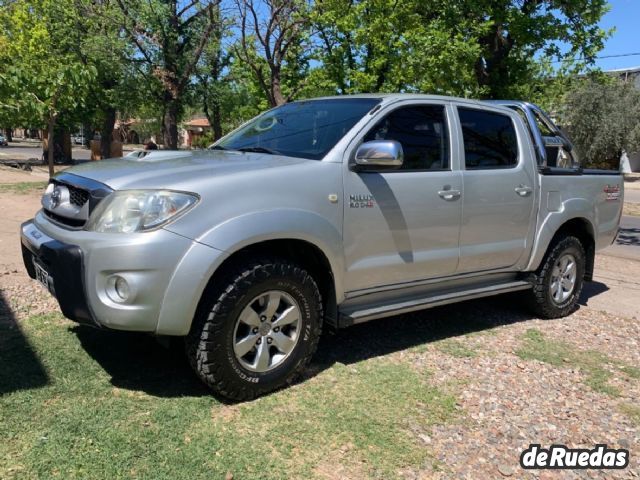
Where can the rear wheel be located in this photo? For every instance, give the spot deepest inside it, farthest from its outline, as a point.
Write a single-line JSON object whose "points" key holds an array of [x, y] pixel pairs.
{"points": [[558, 282], [258, 331]]}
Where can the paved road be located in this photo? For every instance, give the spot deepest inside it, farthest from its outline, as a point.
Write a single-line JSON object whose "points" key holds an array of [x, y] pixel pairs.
{"points": [[632, 195], [629, 235], [627, 245], [27, 151]]}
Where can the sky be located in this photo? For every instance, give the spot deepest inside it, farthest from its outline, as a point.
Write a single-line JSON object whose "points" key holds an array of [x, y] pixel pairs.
{"points": [[625, 17]]}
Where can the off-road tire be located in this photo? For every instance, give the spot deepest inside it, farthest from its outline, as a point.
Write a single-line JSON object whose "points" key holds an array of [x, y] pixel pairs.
{"points": [[540, 298], [209, 344]]}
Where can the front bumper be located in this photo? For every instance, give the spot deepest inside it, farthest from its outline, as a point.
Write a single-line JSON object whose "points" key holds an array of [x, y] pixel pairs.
{"points": [[166, 273], [64, 265]]}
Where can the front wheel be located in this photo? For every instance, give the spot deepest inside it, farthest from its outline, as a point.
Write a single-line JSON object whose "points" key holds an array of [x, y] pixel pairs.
{"points": [[257, 331], [558, 282]]}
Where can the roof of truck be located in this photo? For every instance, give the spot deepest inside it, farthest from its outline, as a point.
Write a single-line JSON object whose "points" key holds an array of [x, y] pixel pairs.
{"points": [[393, 97]]}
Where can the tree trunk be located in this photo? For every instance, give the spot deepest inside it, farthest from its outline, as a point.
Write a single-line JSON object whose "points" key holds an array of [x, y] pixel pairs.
{"points": [[276, 89], [171, 125], [51, 142], [9, 134], [87, 134], [492, 70], [217, 121], [106, 132]]}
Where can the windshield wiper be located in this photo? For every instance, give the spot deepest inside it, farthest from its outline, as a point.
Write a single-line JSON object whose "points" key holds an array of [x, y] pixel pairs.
{"points": [[218, 147], [258, 150]]}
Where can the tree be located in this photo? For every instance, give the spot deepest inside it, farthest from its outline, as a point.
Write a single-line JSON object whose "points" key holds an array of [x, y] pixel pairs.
{"points": [[45, 78], [485, 48], [211, 73], [274, 46], [603, 120], [170, 37], [100, 42], [390, 45], [516, 31]]}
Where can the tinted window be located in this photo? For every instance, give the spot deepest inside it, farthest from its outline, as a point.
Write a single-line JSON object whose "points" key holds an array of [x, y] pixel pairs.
{"points": [[422, 132], [490, 139], [306, 129]]}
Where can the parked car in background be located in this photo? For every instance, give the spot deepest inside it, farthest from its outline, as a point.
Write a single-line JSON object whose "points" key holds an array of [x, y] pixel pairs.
{"points": [[323, 213], [3, 141], [77, 139]]}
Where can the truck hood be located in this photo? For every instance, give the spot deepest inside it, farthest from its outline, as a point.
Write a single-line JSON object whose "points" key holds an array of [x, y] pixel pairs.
{"points": [[176, 169]]}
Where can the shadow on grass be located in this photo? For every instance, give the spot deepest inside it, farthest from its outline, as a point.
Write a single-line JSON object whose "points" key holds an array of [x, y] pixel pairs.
{"points": [[139, 362], [20, 367], [388, 335], [136, 361]]}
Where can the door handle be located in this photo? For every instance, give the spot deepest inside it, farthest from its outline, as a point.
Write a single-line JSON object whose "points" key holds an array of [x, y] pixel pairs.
{"points": [[523, 190], [449, 194]]}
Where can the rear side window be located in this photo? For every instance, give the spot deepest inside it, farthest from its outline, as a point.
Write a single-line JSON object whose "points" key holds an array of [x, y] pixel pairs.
{"points": [[490, 139], [422, 132]]}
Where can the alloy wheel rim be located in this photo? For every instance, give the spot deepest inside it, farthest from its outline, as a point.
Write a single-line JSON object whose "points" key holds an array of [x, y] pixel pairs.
{"points": [[267, 331], [563, 278]]}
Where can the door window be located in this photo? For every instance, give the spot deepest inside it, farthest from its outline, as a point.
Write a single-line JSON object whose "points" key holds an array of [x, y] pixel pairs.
{"points": [[422, 132], [490, 139]]}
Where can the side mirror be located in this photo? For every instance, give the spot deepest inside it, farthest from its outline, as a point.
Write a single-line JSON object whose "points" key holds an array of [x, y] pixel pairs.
{"points": [[379, 154]]}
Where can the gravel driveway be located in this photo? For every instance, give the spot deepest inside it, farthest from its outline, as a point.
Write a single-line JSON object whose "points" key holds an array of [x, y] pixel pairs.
{"points": [[517, 379]]}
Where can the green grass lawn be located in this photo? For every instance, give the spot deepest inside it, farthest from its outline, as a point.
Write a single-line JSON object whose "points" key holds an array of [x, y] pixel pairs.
{"points": [[82, 403], [22, 188], [598, 367]]}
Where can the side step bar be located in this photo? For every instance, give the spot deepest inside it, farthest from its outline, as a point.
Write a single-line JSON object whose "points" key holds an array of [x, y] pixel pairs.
{"points": [[351, 316]]}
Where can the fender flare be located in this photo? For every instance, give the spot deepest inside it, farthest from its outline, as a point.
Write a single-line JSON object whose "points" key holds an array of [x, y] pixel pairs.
{"points": [[572, 209], [281, 224]]}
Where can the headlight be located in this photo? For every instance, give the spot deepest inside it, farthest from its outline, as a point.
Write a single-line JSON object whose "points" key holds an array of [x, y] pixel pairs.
{"points": [[139, 210]]}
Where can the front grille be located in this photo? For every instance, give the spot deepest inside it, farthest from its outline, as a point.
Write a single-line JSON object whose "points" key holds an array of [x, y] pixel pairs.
{"points": [[84, 195], [77, 196]]}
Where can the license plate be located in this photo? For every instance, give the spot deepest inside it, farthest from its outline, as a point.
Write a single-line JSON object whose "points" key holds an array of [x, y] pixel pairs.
{"points": [[42, 275]]}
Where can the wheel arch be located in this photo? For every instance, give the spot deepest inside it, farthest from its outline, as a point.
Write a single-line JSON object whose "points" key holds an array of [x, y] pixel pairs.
{"points": [[581, 228], [303, 252]]}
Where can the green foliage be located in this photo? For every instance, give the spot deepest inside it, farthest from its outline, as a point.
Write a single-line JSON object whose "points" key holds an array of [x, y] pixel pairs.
{"points": [[478, 48], [515, 31], [81, 60], [203, 141], [597, 367], [603, 120], [45, 76], [385, 45]]}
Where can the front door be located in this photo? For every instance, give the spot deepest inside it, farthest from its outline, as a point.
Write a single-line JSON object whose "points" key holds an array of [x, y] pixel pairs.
{"points": [[403, 225]]}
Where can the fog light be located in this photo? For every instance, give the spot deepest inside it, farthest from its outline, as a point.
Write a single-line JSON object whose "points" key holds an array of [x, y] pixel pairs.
{"points": [[122, 289]]}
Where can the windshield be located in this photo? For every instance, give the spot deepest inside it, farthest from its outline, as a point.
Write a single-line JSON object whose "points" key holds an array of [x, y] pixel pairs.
{"points": [[306, 129]]}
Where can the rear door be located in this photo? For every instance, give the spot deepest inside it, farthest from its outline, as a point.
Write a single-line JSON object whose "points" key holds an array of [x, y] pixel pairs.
{"points": [[499, 189], [403, 225]]}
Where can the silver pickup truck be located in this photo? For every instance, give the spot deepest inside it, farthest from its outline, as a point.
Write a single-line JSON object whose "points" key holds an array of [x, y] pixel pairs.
{"points": [[324, 212]]}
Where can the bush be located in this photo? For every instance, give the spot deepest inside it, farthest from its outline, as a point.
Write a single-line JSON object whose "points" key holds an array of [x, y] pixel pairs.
{"points": [[603, 120], [202, 141]]}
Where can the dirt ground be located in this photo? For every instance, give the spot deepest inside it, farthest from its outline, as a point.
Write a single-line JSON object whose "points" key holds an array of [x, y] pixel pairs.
{"points": [[514, 387], [15, 209]]}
